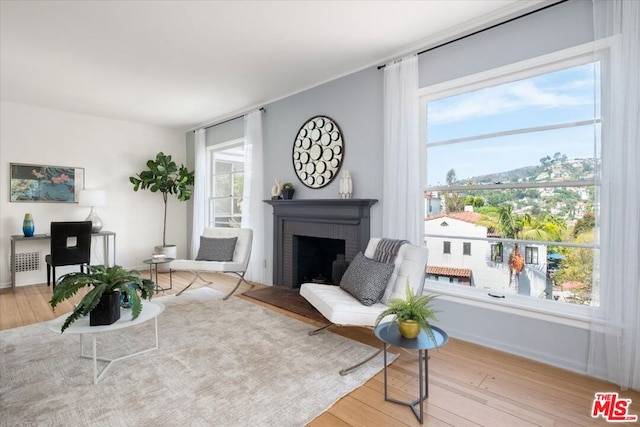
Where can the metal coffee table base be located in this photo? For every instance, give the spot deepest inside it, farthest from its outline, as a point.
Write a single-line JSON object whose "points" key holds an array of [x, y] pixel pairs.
{"points": [[423, 380], [97, 377]]}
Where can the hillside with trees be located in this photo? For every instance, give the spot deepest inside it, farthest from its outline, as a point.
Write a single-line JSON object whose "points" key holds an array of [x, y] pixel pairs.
{"points": [[546, 214]]}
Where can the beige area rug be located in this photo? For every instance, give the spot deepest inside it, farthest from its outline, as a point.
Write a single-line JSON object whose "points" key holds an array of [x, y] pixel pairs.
{"points": [[220, 363]]}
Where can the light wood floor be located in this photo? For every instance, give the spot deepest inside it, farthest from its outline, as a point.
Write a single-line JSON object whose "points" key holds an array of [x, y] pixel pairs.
{"points": [[469, 385]]}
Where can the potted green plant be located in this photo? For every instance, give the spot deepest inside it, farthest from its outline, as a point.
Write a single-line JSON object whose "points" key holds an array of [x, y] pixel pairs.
{"points": [[287, 190], [164, 176], [101, 301], [411, 314]]}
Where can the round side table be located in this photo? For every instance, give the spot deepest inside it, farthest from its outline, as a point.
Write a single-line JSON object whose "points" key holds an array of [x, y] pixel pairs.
{"points": [[389, 334], [155, 262]]}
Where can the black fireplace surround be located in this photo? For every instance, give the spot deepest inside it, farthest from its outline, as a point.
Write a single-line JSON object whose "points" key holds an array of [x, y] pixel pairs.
{"points": [[301, 223]]}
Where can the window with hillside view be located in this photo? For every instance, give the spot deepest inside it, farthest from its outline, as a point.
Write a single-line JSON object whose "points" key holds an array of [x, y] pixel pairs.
{"points": [[513, 159], [226, 172]]}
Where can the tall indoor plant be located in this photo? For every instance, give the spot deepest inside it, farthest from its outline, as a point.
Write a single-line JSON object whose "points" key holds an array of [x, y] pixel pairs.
{"points": [[163, 175]]}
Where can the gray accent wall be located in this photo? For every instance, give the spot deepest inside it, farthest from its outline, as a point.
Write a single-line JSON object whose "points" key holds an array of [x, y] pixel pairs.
{"points": [[228, 131], [560, 27], [354, 102]]}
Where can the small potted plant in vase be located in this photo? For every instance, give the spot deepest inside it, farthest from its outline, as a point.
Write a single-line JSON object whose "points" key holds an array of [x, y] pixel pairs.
{"points": [[412, 314], [287, 191], [102, 303]]}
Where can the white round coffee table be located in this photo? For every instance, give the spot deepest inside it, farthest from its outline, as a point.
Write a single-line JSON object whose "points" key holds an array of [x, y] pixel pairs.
{"points": [[150, 310]]}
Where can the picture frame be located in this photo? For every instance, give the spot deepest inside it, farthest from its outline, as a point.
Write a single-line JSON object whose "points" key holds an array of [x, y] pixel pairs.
{"points": [[45, 183]]}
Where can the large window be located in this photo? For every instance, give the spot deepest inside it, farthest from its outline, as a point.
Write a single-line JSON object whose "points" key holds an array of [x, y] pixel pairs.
{"points": [[226, 171], [513, 156]]}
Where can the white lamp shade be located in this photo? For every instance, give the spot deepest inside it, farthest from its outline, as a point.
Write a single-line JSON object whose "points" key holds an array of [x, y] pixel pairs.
{"points": [[92, 198]]}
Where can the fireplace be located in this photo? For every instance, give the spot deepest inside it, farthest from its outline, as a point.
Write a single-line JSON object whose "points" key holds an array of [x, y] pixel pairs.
{"points": [[305, 231], [313, 258]]}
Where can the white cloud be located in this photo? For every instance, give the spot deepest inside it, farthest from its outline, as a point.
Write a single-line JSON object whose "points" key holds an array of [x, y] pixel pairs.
{"points": [[507, 98]]}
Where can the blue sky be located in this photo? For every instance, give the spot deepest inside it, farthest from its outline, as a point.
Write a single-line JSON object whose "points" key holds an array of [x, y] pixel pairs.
{"points": [[553, 98]]}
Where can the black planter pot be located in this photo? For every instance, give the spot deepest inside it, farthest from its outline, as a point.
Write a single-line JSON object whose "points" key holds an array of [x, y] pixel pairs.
{"points": [[287, 193], [338, 267], [107, 311]]}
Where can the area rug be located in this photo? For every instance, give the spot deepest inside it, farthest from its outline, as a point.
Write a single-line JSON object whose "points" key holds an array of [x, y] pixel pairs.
{"points": [[220, 363], [288, 299]]}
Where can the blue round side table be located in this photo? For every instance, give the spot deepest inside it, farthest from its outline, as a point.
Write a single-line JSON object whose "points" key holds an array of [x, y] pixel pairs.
{"points": [[389, 334]]}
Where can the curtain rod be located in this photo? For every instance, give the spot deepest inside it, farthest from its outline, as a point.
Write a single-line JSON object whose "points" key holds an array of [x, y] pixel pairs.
{"points": [[228, 120], [485, 29]]}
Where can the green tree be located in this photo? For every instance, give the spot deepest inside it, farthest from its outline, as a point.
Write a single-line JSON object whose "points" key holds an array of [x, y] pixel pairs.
{"points": [[451, 177], [585, 224], [476, 202], [576, 267], [453, 201]]}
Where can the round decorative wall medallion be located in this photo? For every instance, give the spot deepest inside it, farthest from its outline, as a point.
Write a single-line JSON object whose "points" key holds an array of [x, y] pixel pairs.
{"points": [[317, 152]]}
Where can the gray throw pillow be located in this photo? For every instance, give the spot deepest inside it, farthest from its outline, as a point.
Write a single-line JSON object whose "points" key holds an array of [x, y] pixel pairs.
{"points": [[366, 279], [216, 249]]}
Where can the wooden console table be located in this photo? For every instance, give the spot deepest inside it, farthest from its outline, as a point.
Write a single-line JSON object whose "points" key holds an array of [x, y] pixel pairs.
{"points": [[106, 237]]}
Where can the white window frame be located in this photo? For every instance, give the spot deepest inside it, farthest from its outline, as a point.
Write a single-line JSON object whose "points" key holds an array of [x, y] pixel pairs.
{"points": [[531, 255], [497, 249], [210, 220], [566, 314], [466, 248]]}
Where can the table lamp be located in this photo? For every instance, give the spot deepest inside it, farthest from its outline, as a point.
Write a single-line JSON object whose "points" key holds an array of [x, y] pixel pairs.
{"points": [[93, 198]]}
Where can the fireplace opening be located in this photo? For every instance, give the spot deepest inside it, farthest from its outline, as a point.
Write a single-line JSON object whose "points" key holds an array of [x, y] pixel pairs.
{"points": [[313, 258]]}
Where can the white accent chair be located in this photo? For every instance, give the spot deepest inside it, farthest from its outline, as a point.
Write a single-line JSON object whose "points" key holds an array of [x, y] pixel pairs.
{"points": [[342, 309], [238, 265]]}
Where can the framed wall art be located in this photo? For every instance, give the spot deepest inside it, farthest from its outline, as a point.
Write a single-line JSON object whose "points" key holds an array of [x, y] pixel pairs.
{"points": [[318, 150], [44, 183]]}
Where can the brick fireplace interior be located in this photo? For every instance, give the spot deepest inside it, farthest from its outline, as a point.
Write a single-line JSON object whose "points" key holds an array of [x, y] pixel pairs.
{"points": [[313, 259], [309, 234]]}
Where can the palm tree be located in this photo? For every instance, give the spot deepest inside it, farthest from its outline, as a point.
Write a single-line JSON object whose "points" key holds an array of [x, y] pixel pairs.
{"points": [[516, 226]]}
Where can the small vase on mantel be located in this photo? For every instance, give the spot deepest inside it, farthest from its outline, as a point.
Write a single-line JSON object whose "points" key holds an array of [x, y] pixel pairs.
{"points": [[346, 185], [28, 227]]}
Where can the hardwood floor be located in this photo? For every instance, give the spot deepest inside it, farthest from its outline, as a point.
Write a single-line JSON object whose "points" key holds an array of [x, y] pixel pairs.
{"points": [[469, 385]]}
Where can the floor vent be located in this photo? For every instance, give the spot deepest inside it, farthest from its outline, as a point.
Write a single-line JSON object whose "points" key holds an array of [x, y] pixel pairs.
{"points": [[27, 261]]}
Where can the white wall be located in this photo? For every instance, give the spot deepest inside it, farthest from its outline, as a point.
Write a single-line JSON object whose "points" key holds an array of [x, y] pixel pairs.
{"points": [[109, 151]]}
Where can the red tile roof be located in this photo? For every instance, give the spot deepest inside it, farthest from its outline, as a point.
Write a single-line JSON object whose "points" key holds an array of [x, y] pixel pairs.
{"points": [[449, 271], [472, 217]]}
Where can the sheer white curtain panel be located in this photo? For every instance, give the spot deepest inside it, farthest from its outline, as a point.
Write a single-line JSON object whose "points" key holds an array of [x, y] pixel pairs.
{"points": [[199, 191], [253, 208], [615, 331], [401, 210]]}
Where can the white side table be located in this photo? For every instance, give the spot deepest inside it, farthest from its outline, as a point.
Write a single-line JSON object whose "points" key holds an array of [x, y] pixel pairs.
{"points": [[150, 310]]}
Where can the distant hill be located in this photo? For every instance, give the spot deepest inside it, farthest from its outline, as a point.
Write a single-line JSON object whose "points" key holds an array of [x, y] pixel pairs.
{"points": [[554, 169], [516, 175], [570, 203]]}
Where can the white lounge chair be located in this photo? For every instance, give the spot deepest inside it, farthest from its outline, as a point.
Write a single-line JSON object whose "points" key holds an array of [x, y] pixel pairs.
{"points": [[341, 308], [237, 265]]}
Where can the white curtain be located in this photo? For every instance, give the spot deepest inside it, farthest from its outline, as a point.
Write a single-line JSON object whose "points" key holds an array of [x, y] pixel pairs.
{"points": [[615, 333], [401, 212], [199, 191], [253, 208]]}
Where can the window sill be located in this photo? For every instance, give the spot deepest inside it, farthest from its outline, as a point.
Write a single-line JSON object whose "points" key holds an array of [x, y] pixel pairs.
{"points": [[578, 316]]}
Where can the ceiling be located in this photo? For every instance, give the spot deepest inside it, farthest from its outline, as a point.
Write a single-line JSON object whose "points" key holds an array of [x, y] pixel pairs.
{"points": [[185, 63]]}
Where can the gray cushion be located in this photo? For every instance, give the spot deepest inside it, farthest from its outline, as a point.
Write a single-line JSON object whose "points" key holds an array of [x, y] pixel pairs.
{"points": [[366, 279], [216, 249]]}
